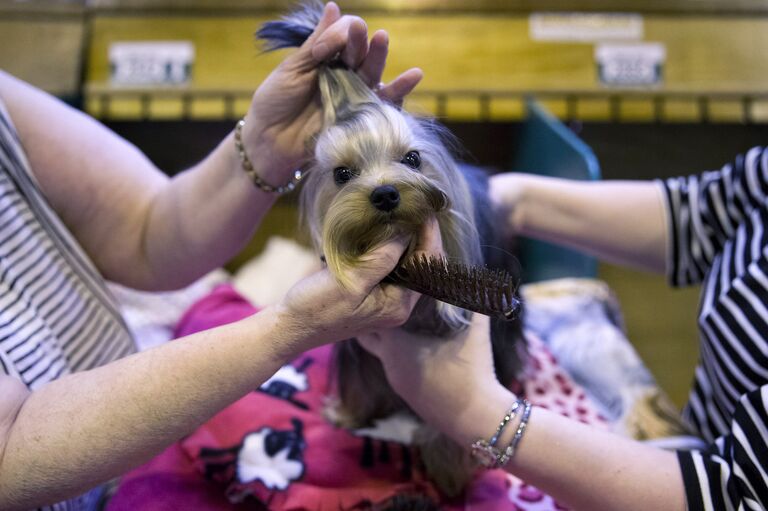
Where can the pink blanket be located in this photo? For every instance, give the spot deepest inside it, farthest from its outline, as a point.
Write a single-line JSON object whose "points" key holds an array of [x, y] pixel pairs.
{"points": [[273, 449]]}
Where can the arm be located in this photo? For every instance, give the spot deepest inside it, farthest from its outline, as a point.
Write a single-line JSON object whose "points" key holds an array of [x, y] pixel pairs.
{"points": [[622, 222], [594, 470], [452, 386], [711, 208], [88, 427], [165, 233], [586, 468]]}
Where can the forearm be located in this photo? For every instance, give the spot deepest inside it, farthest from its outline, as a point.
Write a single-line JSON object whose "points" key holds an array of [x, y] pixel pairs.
{"points": [[582, 467], [622, 222], [88, 427]]}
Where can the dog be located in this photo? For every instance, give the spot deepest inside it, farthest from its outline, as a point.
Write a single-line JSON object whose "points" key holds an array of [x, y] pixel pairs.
{"points": [[379, 172]]}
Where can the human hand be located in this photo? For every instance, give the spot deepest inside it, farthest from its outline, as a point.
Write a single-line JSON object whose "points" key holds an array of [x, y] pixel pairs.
{"points": [[319, 309], [447, 382], [285, 111], [323, 310], [441, 379]]}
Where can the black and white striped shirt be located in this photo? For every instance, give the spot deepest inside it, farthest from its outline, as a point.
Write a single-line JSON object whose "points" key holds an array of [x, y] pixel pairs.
{"points": [[718, 238], [56, 316]]}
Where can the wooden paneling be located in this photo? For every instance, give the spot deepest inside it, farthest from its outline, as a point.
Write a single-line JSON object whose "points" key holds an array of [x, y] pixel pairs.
{"points": [[465, 51], [42, 43], [225, 53], [482, 47], [480, 52], [58, 8]]}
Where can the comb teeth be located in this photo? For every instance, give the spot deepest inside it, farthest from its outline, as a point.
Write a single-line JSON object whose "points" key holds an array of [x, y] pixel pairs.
{"points": [[475, 288]]}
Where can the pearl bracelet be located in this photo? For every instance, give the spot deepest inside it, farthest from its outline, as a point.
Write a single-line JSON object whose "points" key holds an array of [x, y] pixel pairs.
{"points": [[251, 172]]}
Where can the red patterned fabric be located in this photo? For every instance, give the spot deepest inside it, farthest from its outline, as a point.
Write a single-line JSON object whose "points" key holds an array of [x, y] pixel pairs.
{"points": [[273, 449]]}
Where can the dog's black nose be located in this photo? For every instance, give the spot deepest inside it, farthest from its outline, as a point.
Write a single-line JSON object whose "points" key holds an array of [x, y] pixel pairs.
{"points": [[385, 198]]}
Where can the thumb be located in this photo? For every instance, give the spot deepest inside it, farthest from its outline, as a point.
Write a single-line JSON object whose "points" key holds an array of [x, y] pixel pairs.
{"points": [[374, 266], [429, 241]]}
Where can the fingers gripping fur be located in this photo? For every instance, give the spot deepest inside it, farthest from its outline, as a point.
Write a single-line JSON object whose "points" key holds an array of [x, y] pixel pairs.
{"points": [[341, 89], [341, 93]]}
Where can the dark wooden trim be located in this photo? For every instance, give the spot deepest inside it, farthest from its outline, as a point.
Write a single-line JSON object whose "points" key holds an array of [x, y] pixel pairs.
{"points": [[484, 99], [186, 7]]}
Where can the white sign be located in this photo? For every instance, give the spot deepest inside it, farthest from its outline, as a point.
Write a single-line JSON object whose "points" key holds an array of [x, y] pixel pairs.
{"points": [[585, 27], [151, 62], [639, 64]]}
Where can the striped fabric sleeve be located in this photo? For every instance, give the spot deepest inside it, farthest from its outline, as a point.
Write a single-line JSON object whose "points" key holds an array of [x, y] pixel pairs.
{"points": [[704, 211], [732, 472]]}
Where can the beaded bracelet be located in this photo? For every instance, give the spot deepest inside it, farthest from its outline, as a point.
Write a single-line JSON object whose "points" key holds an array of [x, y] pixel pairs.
{"points": [[512, 448], [487, 454], [251, 172]]}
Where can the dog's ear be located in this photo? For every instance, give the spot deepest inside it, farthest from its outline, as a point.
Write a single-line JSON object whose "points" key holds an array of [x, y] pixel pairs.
{"points": [[342, 92]]}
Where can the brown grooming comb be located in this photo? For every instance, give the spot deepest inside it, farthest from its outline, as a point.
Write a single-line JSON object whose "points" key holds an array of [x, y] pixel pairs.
{"points": [[475, 288]]}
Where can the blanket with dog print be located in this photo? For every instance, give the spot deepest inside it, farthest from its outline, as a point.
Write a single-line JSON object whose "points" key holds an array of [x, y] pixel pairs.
{"points": [[274, 449]]}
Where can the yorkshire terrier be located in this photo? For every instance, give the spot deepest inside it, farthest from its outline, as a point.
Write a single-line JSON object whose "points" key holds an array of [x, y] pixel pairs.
{"points": [[378, 172]]}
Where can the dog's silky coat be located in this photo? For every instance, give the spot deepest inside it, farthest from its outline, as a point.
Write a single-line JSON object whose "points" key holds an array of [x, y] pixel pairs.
{"points": [[378, 172]]}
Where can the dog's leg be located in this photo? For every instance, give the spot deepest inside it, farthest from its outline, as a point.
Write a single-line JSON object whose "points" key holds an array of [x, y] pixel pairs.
{"points": [[361, 387]]}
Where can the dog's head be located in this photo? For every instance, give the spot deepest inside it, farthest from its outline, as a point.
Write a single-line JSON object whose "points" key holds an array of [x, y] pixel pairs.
{"points": [[379, 172]]}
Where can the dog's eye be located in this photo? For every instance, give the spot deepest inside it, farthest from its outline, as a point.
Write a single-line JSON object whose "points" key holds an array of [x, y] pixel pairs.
{"points": [[412, 159], [342, 174]]}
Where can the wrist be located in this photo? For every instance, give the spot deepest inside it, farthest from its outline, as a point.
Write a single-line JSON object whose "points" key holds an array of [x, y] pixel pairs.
{"points": [[509, 192], [262, 161], [518, 215], [286, 339], [481, 417]]}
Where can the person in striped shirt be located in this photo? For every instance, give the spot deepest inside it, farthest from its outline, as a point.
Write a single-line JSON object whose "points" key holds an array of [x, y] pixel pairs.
{"points": [[706, 228], [78, 203]]}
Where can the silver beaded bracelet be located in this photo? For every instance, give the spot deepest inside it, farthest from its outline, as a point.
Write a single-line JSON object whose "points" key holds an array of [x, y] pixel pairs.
{"points": [[486, 453], [512, 448], [251, 172]]}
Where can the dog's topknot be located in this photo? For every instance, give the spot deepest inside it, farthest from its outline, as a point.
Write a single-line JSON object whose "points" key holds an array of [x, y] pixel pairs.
{"points": [[292, 29], [342, 91]]}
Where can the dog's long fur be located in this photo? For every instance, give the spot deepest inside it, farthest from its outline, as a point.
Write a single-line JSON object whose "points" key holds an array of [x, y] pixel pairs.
{"points": [[375, 141]]}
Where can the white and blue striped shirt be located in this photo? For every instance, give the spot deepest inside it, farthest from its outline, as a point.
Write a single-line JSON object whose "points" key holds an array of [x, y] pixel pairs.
{"points": [[718, 239], [56, 316]]}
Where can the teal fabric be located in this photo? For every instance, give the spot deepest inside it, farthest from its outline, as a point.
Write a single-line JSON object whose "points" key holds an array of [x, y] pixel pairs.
{"points": [[547, 147]]}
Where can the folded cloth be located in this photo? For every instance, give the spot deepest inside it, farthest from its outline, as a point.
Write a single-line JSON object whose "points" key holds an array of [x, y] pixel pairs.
{"points": [[274, 449], [580, 322], [152, 316]]}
